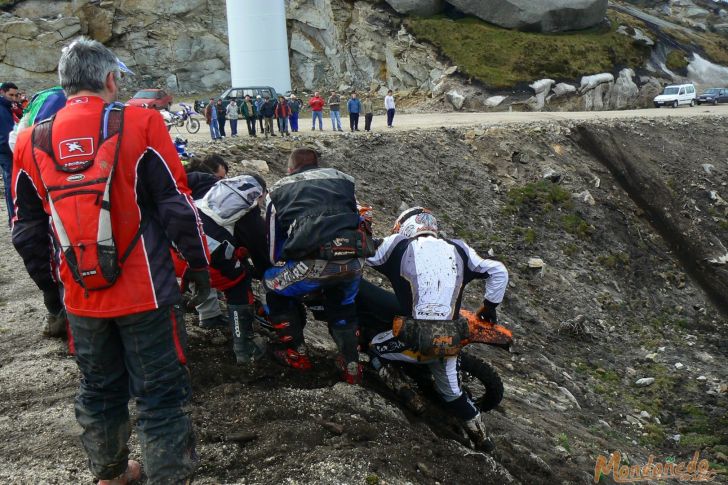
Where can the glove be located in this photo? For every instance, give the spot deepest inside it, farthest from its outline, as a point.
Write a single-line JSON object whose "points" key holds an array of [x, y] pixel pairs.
{"points": [[52, 301], [487, 312], [201, 279]]}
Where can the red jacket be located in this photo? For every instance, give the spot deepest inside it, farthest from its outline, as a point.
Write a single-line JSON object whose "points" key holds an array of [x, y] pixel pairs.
{"points": [[282, 110], [316, 103], [149, 180]]}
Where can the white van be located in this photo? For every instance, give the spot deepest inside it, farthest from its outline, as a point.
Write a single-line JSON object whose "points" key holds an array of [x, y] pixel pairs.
{"points": [[676, 95]]}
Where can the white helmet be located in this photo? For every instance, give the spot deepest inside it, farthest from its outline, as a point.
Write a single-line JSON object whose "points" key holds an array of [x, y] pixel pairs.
{"points": [[416, 221]]}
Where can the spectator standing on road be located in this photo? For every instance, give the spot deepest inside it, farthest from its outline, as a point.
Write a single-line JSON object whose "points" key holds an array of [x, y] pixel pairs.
{"points": [[389, 106], [126, 323], [8, 95], [250, 112], [233, 113], [211, 118], [354, 108], [295, 104], [221, 117], [283, 112], [317, 105], [258, 104], [368, 109], [334, 107], [268, 111]]}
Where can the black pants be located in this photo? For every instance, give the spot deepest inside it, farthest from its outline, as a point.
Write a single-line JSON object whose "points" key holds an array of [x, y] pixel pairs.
{"points": [[262, 128], [368, 121], [251, 126], [390, 117], [354, 121], [221, 124]]}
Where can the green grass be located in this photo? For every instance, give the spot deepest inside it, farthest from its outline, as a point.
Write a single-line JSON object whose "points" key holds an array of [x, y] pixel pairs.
{"points": [[676, 61], [573, 224], [501, 58], [564, 441], [542, 195]]}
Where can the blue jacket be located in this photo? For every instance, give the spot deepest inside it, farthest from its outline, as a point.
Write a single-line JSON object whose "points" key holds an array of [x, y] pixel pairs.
{"points": [[6, 125], [354, 105]]}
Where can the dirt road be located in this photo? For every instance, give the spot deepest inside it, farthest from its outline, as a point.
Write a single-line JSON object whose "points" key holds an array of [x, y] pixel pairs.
{"points": [[419, 121]]}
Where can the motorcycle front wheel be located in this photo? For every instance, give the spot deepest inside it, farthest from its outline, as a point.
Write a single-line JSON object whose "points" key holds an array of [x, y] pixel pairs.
{"points": [[482, 381], [193, 125]]}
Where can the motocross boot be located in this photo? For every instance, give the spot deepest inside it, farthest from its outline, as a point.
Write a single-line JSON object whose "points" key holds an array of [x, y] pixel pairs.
{"points": [[346, 337], [132, 474], [247, 346], [475, 428], [292, 350]]}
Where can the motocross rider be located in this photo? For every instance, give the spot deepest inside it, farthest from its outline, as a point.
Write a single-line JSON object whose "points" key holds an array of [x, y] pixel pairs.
{"points": [[428, 275], [311, 216]]}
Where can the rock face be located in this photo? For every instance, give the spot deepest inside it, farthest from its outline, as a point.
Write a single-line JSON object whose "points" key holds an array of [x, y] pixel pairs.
{"points": [[624, 93], [182, 45], [334, 45], [422, 8], [536, 16]]}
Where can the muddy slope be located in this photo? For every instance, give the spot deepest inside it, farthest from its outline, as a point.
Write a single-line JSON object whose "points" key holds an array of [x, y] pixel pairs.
{"points": [[615, 301]]}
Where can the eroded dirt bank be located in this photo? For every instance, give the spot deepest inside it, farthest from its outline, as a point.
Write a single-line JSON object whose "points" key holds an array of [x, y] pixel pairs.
{"points": [[614, 302]]}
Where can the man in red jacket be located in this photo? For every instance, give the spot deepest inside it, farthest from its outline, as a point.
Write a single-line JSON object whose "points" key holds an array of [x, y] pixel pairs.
{"points": [[317, 105], [109, 179]]}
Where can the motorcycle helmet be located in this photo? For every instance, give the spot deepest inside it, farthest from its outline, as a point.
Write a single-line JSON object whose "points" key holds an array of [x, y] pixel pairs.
{"points": [[416, 221]]}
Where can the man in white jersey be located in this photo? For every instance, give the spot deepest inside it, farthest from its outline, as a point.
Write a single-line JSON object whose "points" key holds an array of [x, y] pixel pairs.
{"points": [[428, 275]]}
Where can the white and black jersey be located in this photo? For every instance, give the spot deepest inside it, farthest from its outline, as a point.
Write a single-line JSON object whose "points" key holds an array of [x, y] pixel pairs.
{"points": [[428, 274]]}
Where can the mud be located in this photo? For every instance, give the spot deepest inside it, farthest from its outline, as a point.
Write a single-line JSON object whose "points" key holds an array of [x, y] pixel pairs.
{"points": [[613, 303]]}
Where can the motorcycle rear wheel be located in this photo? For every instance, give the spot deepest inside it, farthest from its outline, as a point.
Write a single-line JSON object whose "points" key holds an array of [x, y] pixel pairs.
{"points": [[193, 125], [472, 368]]}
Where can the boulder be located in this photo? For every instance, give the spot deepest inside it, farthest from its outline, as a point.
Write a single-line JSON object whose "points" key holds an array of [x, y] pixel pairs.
{"points": [[494, 101], [455, 99], [542, 87], [421, 8], [624, 93], [591, 82], [563, 89], [650, 88], [536, 16], [259, 166]]}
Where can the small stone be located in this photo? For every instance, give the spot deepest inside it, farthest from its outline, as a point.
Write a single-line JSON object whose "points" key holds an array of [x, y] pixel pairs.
{"points": [[586, 197], [652, 356], [536, 263], [679, 365], [552, 175], [260, 166], [661, 349], [604, 423], [645, 415], [708, 167], [701, 378], [424, 469], [645, 381]]}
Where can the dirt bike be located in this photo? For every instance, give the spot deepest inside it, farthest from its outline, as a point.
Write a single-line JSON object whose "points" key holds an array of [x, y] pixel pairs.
{"points": [[185, 117], [376, 310]]}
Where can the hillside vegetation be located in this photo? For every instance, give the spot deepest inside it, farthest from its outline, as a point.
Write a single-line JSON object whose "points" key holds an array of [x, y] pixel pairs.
{"points": [[501, 58]]}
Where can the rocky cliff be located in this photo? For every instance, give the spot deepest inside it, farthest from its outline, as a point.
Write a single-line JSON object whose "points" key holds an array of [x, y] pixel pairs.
{"points": [[182, 45]]}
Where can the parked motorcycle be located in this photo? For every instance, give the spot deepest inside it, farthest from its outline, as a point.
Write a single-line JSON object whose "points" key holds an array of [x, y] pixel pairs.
{"points": [[186, 117]]}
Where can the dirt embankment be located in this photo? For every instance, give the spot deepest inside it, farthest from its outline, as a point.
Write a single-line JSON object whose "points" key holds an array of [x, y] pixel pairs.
{"points": [[616, 300]]}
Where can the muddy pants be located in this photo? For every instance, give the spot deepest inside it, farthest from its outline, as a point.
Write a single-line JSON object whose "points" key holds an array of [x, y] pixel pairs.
{"points": [[140, 356]]}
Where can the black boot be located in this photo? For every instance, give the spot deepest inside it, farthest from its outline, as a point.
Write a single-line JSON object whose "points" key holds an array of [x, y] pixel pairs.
{"points": [[246, 345], [346, 337]]}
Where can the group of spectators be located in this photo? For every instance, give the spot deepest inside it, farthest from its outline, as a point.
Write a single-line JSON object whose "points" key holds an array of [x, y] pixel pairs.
{"points": [[283, 114]]}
